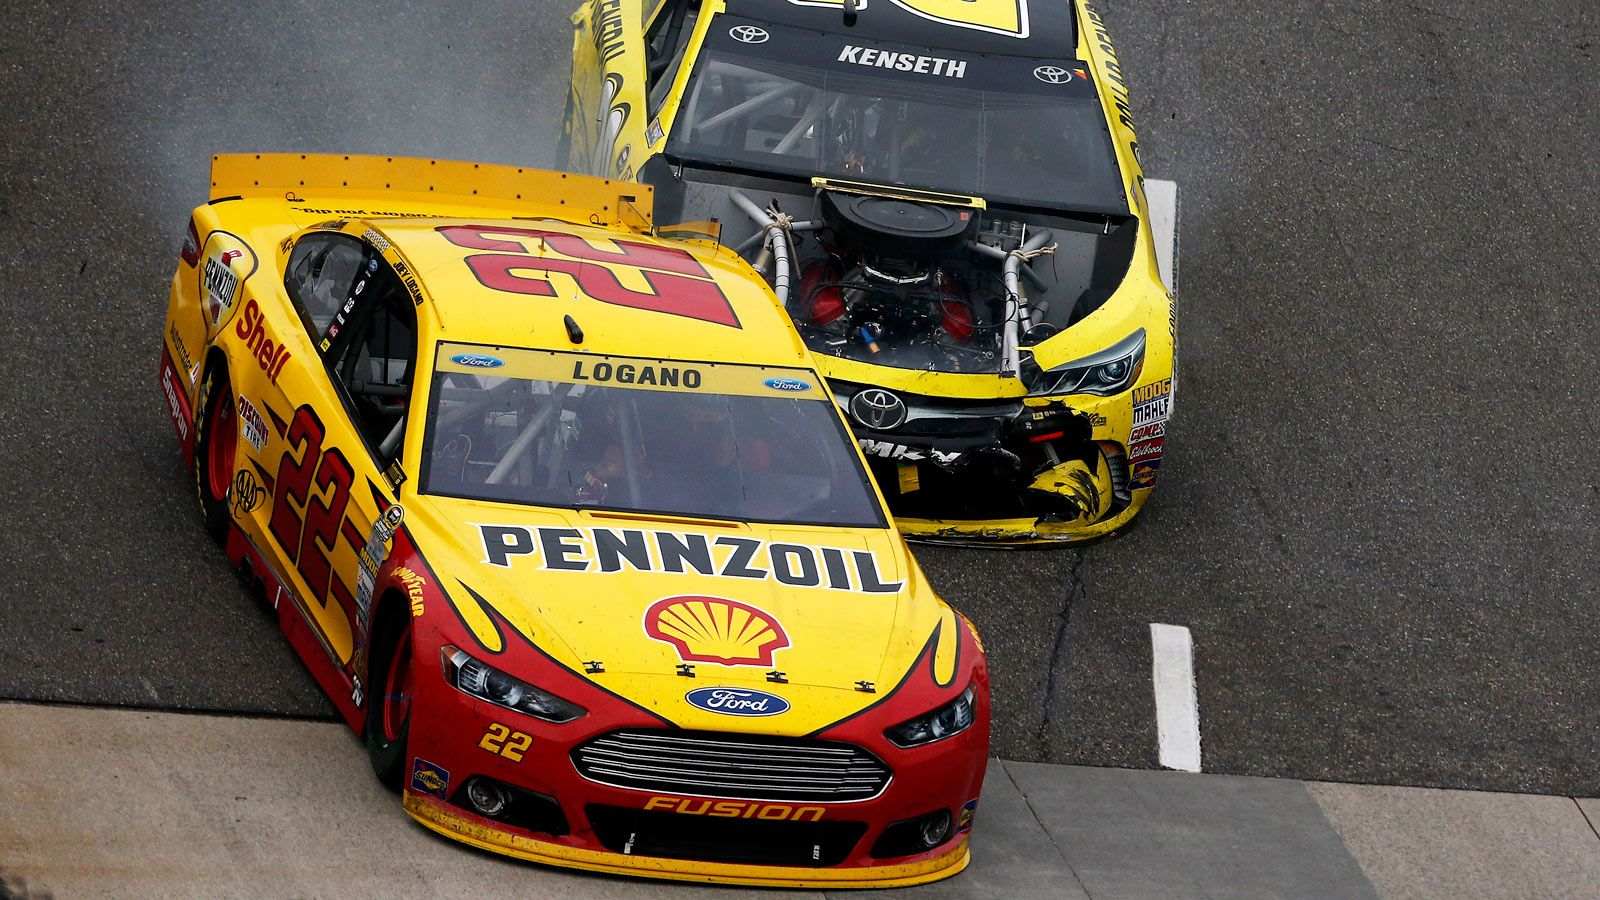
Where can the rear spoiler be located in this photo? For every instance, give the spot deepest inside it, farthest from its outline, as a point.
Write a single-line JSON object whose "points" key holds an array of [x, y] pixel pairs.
{"points": [[412, 180]]}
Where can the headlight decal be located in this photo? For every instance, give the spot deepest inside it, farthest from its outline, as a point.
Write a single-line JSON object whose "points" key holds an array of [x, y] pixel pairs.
{"points": [[1106, 373], [946, 721], [477, 678]]}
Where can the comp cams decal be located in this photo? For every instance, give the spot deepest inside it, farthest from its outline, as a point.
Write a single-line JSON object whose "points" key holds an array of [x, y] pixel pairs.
{"points": [[717, 631], [606, 550]]}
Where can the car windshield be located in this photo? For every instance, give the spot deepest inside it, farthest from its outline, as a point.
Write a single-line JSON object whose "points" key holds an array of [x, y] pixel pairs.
{"points": [[1007, 129], [546, 428]]}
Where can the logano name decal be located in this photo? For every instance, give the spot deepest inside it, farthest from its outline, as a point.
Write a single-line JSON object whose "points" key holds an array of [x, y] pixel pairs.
{"points": [[606, 550]]}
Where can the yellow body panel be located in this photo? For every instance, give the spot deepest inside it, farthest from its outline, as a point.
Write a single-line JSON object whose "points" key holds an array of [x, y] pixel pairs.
{"points": [[824, 625]]}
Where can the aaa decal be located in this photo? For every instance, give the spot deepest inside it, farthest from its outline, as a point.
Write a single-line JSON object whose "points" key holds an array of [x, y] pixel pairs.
{"points": [[721, 632]]}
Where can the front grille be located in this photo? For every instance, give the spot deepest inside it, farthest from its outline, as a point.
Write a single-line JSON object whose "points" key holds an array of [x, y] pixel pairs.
{"points": [[737, 766], [711, 839]]}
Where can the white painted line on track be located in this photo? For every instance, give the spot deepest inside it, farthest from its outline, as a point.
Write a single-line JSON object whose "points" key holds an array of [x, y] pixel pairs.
{"points": [[1177, 709]]}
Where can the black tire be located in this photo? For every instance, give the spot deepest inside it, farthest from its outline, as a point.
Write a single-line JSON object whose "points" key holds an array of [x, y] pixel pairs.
{"points": [[214, 423], [387, 726]]}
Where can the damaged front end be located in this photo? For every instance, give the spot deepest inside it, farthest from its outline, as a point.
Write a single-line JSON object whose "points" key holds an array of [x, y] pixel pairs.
{"points": [[971, 271], [970, 470]]}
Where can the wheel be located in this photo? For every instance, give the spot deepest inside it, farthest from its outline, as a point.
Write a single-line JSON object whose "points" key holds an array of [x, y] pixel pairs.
{"points": [[389, 671], [215, 443]]}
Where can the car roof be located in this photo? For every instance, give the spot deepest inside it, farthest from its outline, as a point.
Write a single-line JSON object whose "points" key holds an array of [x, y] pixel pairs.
{"points": [[1009, 27], [514, 282]]}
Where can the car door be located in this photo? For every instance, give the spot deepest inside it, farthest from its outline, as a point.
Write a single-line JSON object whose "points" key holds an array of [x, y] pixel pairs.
{"points": [[333, 513]]}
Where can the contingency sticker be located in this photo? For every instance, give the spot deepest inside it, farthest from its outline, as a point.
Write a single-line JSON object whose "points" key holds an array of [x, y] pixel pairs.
{"points": [[371, 557], [1152, 406]]}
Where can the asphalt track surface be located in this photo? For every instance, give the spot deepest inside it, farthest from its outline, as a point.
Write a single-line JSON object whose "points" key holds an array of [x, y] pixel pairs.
{"points": [[1379, 512]]}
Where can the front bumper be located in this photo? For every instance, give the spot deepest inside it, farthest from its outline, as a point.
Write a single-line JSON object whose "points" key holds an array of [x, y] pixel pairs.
{"points": [[564, 813], [1024, 470], [454, 823]]}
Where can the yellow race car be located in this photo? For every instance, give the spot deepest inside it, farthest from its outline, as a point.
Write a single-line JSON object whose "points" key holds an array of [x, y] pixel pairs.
{"points": [[567, 525], [946, 197]]}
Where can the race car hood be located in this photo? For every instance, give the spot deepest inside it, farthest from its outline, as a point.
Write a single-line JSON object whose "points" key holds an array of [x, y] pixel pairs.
{"points": [[640, 605]]}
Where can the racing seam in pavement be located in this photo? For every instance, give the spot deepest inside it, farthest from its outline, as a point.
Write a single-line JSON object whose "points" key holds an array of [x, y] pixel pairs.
{"points": [[1074, 593], [1585, 815], [1029, 803]]}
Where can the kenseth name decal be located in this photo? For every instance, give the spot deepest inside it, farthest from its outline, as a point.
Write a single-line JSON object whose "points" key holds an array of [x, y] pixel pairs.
{"points": [[627, 549], [903, 62]]}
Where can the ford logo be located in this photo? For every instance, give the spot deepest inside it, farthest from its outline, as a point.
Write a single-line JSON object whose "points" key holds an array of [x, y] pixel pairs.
{"points": [[737, 701], [475, 361], [787, 384]]}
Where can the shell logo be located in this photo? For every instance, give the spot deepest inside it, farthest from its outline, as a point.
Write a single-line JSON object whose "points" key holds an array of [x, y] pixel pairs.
{"points": [[714, 630]]}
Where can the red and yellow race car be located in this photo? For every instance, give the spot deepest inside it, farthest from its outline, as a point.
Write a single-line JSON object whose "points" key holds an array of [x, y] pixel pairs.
{"points": [[948, 199], [565, 521]]}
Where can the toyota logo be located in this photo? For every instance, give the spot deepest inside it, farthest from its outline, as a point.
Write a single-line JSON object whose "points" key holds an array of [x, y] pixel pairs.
{"points": [[748, 34], [878, 409], [1052, 74]]}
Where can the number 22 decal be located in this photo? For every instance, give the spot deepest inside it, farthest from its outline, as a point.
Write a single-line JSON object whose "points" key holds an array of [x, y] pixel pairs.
{"points": [[502, 740], [307, 539], [679, 284]]}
